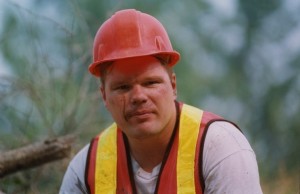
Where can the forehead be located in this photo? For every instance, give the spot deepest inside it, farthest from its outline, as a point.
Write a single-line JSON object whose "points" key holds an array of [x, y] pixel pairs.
{"points": [[135, 67]]}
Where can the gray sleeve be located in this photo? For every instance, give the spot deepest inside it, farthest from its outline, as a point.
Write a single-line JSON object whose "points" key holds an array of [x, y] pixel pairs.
{"points": [[229, 163], [73, 181]]}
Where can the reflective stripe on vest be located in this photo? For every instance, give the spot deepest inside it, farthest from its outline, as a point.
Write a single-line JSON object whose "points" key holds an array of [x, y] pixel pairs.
{"points": [[106, 161], [188, 134], [107, 170]]}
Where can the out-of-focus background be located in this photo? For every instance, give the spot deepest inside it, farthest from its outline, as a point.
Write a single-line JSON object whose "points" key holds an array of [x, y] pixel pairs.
{"points": [[239, 59]]}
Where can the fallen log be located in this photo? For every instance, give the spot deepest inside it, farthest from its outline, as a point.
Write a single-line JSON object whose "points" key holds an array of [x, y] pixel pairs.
{"points": [[34, 155]]}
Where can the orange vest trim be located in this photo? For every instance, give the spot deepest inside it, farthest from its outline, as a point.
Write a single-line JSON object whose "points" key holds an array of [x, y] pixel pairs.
{"points": [[109, 170], [90, 166]]}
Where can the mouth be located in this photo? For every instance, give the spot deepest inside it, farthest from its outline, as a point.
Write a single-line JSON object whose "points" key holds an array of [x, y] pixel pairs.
{"points": [[139, 114]]}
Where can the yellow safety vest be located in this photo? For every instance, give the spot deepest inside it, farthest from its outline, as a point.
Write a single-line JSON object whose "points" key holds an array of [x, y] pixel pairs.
{"points": [[109, 170]]}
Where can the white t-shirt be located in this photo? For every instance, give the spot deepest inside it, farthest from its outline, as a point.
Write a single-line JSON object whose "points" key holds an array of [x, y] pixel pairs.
{"points": [[229, 166]]}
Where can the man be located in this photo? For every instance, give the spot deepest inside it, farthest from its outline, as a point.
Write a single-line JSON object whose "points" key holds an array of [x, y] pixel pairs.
{"points": [[156, 145]]}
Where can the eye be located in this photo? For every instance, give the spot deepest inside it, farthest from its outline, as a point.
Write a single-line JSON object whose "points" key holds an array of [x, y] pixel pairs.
{"points": [[151, 82], [123, 87]]}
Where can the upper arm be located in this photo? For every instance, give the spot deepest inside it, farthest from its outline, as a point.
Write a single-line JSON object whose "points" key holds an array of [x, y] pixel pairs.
{"points": [[229, 163]]}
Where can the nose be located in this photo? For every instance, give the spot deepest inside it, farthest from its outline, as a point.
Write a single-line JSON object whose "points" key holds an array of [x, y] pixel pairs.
{"points": [[138, 95]]}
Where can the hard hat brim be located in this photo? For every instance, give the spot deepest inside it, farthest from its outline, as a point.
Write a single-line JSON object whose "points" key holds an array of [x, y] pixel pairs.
{"points": [[174, 57]]}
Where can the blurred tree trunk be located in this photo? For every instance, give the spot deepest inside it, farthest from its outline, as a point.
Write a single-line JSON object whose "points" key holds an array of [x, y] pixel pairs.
{"points": [[35, 154]]}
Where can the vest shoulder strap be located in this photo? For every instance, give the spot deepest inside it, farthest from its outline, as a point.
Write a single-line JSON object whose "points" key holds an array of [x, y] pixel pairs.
{"points": [[101, 172]]}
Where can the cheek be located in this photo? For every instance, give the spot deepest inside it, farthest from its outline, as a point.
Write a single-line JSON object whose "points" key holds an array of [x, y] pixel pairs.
{"points": [[116, 104], [164, 96], [167, 92]]}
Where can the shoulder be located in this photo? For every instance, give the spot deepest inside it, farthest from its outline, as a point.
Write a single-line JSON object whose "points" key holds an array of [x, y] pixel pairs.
{"points": [[225, 135], [222, 140], [79, 160], [73, 181]]}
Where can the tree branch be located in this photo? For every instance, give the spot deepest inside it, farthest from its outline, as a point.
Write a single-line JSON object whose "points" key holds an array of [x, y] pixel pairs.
{"points": [[35, 154]]}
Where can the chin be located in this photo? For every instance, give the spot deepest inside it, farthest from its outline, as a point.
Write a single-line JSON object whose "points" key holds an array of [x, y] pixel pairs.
{"points": [[144, 131]]}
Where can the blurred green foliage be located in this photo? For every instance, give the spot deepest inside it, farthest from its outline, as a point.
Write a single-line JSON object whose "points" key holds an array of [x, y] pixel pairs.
{"points": [[239, 59]]}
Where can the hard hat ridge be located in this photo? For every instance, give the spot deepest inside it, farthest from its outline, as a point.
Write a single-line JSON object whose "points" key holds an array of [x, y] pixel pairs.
{"points": [[131, 33]]}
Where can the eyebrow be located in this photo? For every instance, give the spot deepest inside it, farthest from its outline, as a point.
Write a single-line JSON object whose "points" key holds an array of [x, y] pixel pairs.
{"points": [[124, 81]]}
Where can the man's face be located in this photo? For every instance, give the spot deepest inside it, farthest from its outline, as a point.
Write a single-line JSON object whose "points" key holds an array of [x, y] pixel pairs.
{"points": [[140, 94]]}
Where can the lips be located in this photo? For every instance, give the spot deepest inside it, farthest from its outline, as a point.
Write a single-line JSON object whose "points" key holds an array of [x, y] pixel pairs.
{"points": [[138, 114]]}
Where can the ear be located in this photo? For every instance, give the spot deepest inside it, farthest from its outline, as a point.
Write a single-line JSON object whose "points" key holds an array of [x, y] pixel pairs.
{"points": [[174, 85], [103, 94]]}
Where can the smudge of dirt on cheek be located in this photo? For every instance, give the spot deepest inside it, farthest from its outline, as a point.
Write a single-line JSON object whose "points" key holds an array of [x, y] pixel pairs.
{"points": [[123, 102]]}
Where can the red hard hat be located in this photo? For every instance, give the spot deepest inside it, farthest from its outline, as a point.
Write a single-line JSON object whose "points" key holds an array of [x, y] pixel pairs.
{"points": [[131, 33]]}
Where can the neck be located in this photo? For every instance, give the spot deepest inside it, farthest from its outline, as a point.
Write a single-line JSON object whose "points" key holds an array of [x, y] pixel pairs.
{"points": [[149, 154]]}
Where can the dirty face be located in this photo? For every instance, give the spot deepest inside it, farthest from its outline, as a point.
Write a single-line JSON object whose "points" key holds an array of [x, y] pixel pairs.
{"points": [[139, 93]]}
